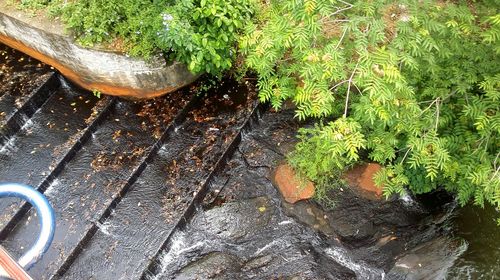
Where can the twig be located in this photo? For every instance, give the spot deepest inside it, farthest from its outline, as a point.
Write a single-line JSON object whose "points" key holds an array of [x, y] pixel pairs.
{"points": [[434, 100], [349, 6], [339, 84], [349, 89], [406, 154], [495, 174], [339, 11], [428, 107], [496, 158], [341, 38], [437, 114], [327, 19], [360, 92]]}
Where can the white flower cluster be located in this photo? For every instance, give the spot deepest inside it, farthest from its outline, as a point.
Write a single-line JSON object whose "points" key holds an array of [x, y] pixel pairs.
{"points": [[166, 19]]}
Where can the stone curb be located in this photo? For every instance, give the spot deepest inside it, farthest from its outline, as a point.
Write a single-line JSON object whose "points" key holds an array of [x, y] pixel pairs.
{"points": [[108, 72]]}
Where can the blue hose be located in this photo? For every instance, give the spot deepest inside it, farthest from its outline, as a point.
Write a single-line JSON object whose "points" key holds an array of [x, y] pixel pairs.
{"points": [[46, 217]]}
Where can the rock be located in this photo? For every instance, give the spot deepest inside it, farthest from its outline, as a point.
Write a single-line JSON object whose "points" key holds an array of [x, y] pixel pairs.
{"points": [[430, 260], [291, 188], [360, 178], [237, 220], [311, 215], [215, 265], [93, 69], [257, 262], [353, 231]]}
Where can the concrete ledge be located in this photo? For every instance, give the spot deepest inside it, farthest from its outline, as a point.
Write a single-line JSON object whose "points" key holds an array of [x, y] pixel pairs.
{"points": [[108, 72]]}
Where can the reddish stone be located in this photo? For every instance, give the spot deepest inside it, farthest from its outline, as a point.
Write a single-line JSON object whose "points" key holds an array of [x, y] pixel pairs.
{"points": [[290, 186], [360, 178]]}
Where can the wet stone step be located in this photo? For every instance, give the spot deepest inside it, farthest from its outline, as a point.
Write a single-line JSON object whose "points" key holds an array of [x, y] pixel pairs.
{"points": [[93, 181], [15, 110], [42, 144], [24, 85], [19, 74], [139, 226]]}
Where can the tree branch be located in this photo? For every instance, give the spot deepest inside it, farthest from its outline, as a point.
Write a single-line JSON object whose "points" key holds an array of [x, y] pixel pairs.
{"points": [[338, 84], [341, 38]]}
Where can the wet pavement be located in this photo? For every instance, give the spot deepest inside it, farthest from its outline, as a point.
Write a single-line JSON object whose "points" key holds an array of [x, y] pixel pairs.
{"points": [[181, 187]]}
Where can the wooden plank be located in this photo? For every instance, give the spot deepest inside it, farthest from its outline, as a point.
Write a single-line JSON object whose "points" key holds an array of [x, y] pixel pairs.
{"points": [[10, 268]]}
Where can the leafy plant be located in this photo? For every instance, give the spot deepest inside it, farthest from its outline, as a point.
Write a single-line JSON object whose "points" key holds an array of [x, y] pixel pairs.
{"points": [[204, 33], [128, 24], [201, 33], [414, 85]]}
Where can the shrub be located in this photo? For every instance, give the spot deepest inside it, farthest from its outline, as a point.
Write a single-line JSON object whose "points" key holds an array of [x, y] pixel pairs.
{"points": [[200, 33], [204, 33], [414, 85]]}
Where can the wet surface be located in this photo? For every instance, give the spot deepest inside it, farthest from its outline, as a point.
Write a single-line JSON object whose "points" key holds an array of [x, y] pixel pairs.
{"points": [[480, 229], [20, 74], [32, 154], [243, 217], [97, 160], [180, 187], [24, 85], [244, 230], [141, 223], [92, 180]]}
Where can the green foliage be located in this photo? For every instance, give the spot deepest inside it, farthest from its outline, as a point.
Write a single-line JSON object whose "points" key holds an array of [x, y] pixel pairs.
{"points": [[204, 33], [33, 4], [324, 151], [52, 7], [415, 82], [99, 22], [200, 33], [96, 93], [326, 148]]}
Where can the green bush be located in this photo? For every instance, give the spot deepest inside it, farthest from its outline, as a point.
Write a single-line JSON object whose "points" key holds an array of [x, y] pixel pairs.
{"points": [[413, 85], [204, 33], [200, 33]]}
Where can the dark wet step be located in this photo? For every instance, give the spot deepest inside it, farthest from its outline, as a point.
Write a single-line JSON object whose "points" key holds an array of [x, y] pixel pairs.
{"points": [[24, 85], [19, 73], [93, 182], [17, 107], [138, 228], [44, 143]]}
